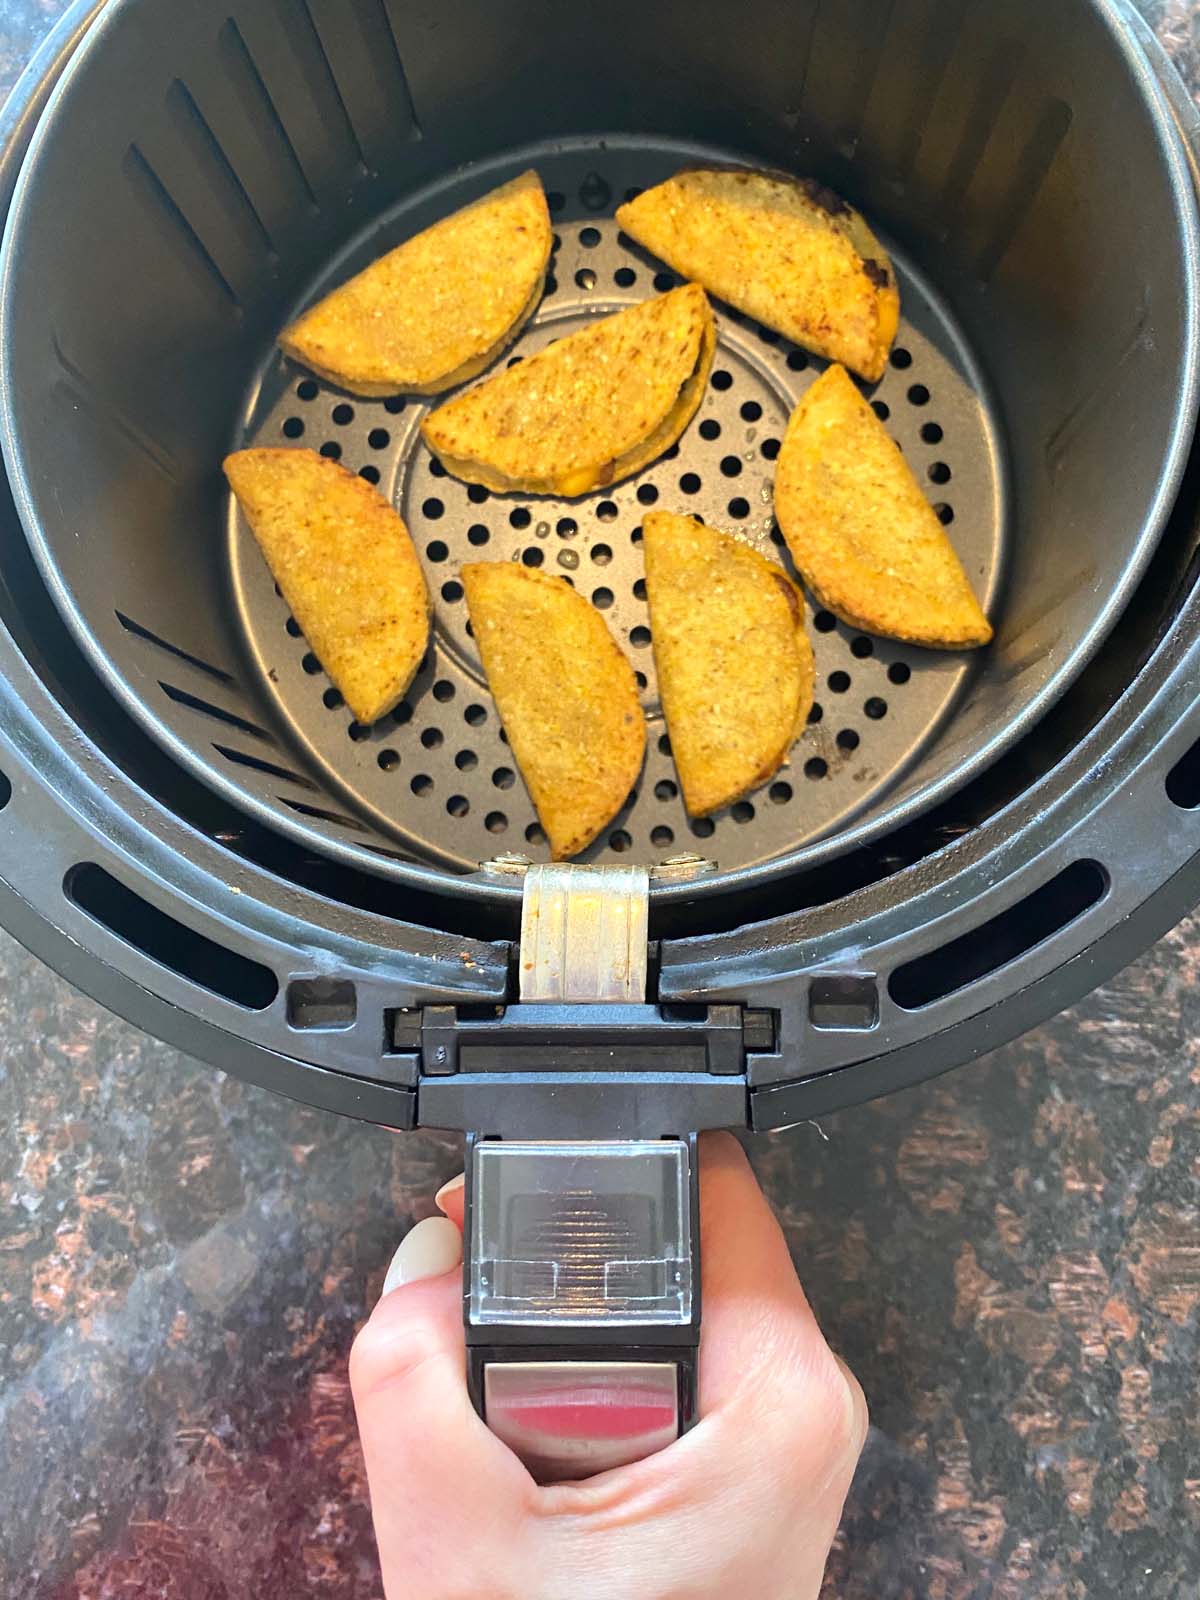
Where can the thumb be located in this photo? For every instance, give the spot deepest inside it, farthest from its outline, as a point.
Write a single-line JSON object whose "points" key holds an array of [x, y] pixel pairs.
{"points": [[446, 1495]]}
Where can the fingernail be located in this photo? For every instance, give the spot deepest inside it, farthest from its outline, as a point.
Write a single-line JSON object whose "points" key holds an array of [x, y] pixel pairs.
{"points": [[449, 1188], [426, 1251]]}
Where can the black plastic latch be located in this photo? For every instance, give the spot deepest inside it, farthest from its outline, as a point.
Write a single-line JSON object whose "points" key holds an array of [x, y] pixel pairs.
{"points": [[592, 1038]]}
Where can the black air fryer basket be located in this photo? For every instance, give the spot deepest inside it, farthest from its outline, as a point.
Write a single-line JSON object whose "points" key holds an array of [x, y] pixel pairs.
{"points": [[194, 830]]}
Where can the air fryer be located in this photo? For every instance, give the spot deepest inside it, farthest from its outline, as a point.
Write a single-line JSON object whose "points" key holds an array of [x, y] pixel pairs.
{"points": [[194, 829]]}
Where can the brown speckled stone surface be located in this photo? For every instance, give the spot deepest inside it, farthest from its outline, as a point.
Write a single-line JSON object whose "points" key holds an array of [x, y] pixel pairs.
{"points": [[1009, 1258]]}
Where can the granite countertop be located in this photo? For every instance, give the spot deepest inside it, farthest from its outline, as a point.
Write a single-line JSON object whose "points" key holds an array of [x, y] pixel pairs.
{"points": [[1009, 1258]]}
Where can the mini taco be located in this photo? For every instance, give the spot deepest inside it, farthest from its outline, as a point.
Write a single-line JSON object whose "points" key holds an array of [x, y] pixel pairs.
{"points": [[590, 408], [734, 663], [346, 566], [439, 308], [864, 538], [786, 251], [566, 696]]}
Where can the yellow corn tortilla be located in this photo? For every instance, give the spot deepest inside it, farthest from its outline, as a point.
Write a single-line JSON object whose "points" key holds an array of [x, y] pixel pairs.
{"points": [[786, 251], [346, 566], [439, 308], [596, 406], [865, 540], [566, 696], [735, 666]]}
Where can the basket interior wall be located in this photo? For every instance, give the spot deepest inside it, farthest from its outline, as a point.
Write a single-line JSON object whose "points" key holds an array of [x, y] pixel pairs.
{"points": [[204, 168]]}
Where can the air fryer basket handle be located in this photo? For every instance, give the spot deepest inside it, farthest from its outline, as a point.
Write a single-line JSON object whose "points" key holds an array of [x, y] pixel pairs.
{"points": [[581, 1281], [581, 1297]]}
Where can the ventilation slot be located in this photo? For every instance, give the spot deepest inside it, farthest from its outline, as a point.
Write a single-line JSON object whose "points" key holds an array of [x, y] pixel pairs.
{"points": [[321, 1003], [1032, 170], [319, 72], [1183, 780], [1004, 939], [156, 935], [242, 72], [207, 153], [319, 814], [994, 86], [841, 1000], [390, 855], [241, 759], [139, 632], [175, 227], [230, 718], [80, 391]]}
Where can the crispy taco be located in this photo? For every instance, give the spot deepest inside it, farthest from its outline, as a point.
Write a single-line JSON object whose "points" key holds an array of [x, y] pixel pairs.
{"points": [[593, 407], [864, 538], [346, 566], [566, 696], [786, 251], [439, 308], [735, 666]]}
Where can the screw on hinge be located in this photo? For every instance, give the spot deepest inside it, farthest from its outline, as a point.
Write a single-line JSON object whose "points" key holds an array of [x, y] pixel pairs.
{"points": [[678, 868]]}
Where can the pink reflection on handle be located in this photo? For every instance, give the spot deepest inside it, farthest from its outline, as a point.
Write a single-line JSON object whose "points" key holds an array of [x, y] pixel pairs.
{"points": [[572, 1419], [592, 1412]]}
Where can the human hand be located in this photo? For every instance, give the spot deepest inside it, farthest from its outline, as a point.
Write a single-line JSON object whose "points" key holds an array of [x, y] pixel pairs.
{"points": [[745, 1504]]}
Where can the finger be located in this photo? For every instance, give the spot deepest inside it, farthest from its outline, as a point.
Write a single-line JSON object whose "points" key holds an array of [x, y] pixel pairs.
{"points": [[752, 1299], [762, 1355], [451, 1199], [781, 1424], [448, 1499]]}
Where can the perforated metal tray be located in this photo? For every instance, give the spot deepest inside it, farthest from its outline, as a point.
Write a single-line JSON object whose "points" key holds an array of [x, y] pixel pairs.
{"points": [[436, 775]]}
